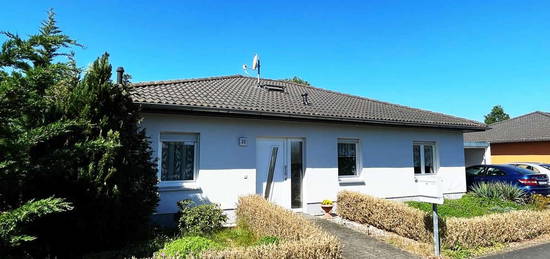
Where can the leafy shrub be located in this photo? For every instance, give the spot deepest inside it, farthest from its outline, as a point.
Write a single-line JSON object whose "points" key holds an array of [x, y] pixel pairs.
{"points": [[500, 190], [13, 223], [203, 219], [268, 240], [189, 245], [388, 215], [74, 135]]}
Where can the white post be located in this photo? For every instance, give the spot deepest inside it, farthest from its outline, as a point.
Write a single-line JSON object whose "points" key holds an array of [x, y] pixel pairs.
{"points": [[436, 230]]}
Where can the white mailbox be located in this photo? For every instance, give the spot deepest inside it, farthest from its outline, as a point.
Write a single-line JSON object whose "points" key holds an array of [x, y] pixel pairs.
{"points": [[429, 189]]}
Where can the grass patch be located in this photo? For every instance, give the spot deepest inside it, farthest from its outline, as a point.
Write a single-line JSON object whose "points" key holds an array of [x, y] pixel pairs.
{"points": [[185, 246], [226, 238], [233, 237], [464, 253], [471, 206]]}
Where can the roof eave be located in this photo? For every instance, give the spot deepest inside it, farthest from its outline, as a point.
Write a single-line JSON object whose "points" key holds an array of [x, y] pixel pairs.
{"points": [[156, 106]]}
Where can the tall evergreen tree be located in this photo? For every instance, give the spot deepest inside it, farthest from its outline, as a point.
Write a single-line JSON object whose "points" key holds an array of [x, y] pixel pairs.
{"points": [[497, 114], [75, 137]]}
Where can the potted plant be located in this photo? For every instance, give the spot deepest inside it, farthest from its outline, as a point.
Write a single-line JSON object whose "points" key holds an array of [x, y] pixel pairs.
{"points": [[327, 205]]}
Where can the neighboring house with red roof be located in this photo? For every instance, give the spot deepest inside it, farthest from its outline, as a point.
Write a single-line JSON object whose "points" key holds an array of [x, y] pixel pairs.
{"points": [[222, 137], [521, 139]]}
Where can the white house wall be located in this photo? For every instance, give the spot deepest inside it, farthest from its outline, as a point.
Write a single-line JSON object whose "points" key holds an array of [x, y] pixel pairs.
{"points": [[227, 170]]}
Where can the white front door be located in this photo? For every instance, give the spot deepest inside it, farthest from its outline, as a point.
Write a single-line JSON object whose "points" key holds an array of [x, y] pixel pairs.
{"points": [[279, 170]]}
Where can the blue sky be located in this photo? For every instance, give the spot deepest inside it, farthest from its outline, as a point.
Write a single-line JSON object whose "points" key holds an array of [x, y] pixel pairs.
{"points": [[455, 57]]}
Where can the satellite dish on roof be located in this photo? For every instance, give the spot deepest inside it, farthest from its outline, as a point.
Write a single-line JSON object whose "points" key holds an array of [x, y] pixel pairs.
{"points": [[256, 62], [255, 66]]}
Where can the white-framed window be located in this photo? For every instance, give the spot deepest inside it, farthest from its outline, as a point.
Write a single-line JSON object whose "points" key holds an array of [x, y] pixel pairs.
{"points": [[348, 158], [178, 157], [424, 158]]}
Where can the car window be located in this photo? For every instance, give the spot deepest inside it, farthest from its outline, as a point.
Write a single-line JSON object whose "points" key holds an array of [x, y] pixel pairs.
{"points": [[475, 170], [492, 171], [528, 167], [521, 166], [523, 171], [546, 166]]}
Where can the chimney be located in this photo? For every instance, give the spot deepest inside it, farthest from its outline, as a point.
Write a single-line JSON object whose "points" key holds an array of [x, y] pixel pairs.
{"points": [[304, 99], [119, 74]]}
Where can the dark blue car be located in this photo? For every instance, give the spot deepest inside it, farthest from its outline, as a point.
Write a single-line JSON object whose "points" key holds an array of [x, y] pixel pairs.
{"points": [[526, 180]]}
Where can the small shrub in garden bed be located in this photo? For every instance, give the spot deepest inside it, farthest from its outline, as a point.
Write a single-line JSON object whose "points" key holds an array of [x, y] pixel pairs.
{"points": [[200, 220]]}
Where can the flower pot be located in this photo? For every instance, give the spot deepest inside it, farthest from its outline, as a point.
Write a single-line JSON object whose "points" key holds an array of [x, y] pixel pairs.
{"points": [[327, 209]]}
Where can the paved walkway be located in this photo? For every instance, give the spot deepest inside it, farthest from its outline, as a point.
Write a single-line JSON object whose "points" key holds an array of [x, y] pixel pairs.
{"points": [[534, 252], [359, 245]]}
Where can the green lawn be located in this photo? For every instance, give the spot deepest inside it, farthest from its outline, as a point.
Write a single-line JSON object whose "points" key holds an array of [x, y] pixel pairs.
{"points": [[226, 238], [470, 206], [231, 237], [167, 242]]}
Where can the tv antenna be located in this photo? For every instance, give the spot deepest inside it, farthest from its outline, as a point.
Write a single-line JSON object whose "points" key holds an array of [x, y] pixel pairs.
{"points": [[255, 66]]}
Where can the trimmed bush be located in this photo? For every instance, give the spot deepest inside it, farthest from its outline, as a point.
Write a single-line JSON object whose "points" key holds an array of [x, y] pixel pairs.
{"points": [[267, 219], [472, 232], [297, 237], [203, 219], [496, 228], [501, 191], [385, 214], [539, 201]]}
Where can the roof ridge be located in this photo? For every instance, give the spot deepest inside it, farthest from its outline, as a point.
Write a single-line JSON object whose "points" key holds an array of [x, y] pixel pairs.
{"points": [[365, 98], [518, 117], [163, 82], [543, 113]]}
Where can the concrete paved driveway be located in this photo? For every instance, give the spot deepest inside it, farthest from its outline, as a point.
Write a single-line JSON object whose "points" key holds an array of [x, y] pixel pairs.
{"points": [[534, 252], [359, 245]]}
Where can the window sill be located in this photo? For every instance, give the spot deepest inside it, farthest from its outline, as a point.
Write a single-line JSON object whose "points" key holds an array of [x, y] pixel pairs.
{"points": [[351, 181], [177, 186], [425, 175]]}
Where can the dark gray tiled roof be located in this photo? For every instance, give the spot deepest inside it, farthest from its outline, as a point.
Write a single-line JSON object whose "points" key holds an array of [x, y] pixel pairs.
{"points": [[241, 95], [526, 128]]}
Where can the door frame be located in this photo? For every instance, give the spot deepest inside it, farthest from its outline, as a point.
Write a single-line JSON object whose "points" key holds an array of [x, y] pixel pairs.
{"points": [[288, 165]]}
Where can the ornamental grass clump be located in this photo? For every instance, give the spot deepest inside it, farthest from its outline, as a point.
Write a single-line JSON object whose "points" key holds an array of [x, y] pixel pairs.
{"points": [[501, 191]]}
